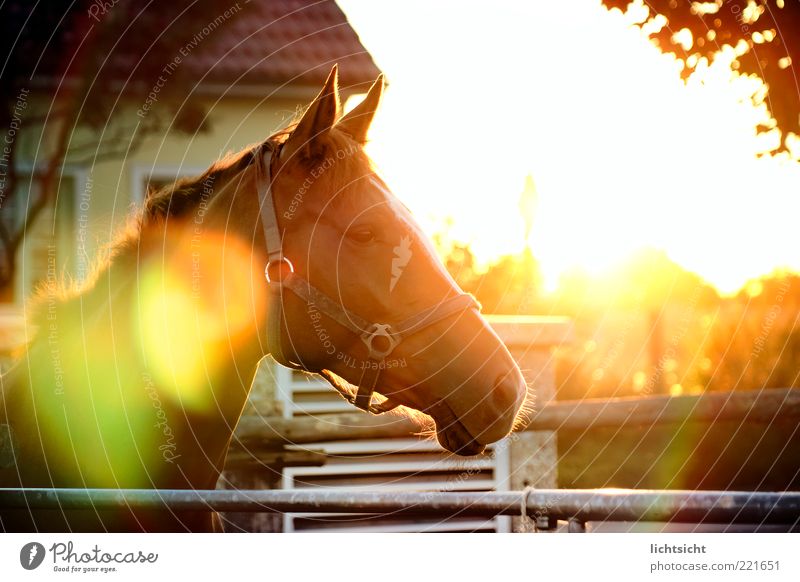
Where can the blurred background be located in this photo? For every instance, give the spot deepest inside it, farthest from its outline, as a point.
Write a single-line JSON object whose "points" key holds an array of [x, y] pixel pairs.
{"points": [[632, 166]]}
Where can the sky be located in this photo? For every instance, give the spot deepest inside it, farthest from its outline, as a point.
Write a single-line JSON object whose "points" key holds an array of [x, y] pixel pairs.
{"points": [[622, 152]]}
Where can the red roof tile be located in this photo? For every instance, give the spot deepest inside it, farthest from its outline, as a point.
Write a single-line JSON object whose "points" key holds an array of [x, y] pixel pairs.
{"points": [[228, 43], [285, 41]]}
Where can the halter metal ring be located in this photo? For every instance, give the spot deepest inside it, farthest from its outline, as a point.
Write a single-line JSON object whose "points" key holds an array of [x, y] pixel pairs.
{"points": [[280, 263], [384, 332]]}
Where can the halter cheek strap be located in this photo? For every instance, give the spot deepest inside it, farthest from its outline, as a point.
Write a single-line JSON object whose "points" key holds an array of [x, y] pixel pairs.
{"points": [[381, 339], [276, 269]]}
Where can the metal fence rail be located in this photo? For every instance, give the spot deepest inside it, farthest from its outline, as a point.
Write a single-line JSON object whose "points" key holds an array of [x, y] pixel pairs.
{"points": [[579, 505]]}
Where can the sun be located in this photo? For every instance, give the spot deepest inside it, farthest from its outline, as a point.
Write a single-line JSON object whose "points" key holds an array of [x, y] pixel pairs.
{"points": [[623, 152]]}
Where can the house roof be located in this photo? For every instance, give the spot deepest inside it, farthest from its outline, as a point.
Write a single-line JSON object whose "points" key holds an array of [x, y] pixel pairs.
{"points": [[230, 45], [284, 42]]}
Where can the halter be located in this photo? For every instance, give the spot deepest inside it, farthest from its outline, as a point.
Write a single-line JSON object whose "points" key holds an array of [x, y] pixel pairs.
{"points": [[381, 339]]}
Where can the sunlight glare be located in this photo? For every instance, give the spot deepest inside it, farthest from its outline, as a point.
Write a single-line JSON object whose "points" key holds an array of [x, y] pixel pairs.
{"points": [[625, 154]]}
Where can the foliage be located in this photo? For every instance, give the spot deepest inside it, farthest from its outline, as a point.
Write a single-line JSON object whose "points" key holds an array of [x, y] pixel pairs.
{"points": [[764, 29], [650, 326]]}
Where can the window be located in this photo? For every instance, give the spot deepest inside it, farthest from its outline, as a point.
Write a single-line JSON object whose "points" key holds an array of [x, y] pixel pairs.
{"points": [[50, 246], [146, 176]]}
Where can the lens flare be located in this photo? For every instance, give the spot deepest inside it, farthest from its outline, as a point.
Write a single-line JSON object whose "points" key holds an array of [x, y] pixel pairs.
{"points": [[195, 302]]}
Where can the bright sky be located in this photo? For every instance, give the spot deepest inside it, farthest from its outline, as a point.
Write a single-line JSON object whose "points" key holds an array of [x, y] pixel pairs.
{"points": [[622, 152]]}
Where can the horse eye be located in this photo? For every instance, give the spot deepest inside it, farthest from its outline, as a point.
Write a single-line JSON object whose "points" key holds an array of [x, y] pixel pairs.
{"points": [[361, 235]]}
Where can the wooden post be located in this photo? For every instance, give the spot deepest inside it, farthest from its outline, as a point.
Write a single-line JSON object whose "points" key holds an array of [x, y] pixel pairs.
{"points": [[531, 341], [267, 475]]}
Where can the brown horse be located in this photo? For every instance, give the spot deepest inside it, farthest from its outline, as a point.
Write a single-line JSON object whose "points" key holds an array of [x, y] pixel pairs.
{"points": [[138, 379]]}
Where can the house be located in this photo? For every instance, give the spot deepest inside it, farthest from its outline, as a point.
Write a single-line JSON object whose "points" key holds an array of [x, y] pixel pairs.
{"points": [[251, 67]]}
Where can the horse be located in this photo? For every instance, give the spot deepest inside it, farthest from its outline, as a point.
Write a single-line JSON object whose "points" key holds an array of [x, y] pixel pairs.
{"points": [[294, 247]]}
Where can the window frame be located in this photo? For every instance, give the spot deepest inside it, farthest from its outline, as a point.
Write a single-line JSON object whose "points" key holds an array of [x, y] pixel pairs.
{"points": [[80, 178]]}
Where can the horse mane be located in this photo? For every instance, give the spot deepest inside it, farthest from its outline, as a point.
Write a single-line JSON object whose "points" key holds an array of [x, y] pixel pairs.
{"points": [[176, 200], [173, 200]]}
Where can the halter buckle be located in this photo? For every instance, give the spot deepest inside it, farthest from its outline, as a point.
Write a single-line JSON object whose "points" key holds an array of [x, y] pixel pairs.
{"points": [[381, 331], [280, 264]]}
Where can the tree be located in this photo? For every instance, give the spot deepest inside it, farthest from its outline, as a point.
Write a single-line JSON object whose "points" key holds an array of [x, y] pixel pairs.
{"points": [[70, 72], [767, 30]]}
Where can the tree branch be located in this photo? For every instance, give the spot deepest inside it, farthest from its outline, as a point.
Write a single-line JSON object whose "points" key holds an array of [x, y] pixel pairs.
{"points": [[48, 177]]}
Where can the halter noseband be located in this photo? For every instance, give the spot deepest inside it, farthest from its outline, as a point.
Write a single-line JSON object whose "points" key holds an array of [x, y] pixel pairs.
{"points": [[381, 339]]}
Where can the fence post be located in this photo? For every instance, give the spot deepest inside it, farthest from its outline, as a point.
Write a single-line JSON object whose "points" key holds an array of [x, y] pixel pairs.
{"points": [[263, 401], [532, 341]]}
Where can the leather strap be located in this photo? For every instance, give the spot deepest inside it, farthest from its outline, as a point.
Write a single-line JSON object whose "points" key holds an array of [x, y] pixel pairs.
{"points": [[269, 222], [380, 338], [448, 307], [313, 296]]}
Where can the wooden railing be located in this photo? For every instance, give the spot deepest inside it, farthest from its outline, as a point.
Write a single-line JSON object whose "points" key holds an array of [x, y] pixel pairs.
{"points": [[758, 406]]}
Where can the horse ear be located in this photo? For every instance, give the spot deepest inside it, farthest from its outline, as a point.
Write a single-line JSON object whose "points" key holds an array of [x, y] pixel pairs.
{"points": [[318, 119], [357, 122]]}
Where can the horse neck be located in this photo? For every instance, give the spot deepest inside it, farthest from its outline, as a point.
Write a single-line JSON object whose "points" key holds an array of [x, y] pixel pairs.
{"points": [[106, 325]]}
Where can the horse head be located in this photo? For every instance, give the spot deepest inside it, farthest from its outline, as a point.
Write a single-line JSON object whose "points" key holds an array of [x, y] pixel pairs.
{"points": [[373, 306]]}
